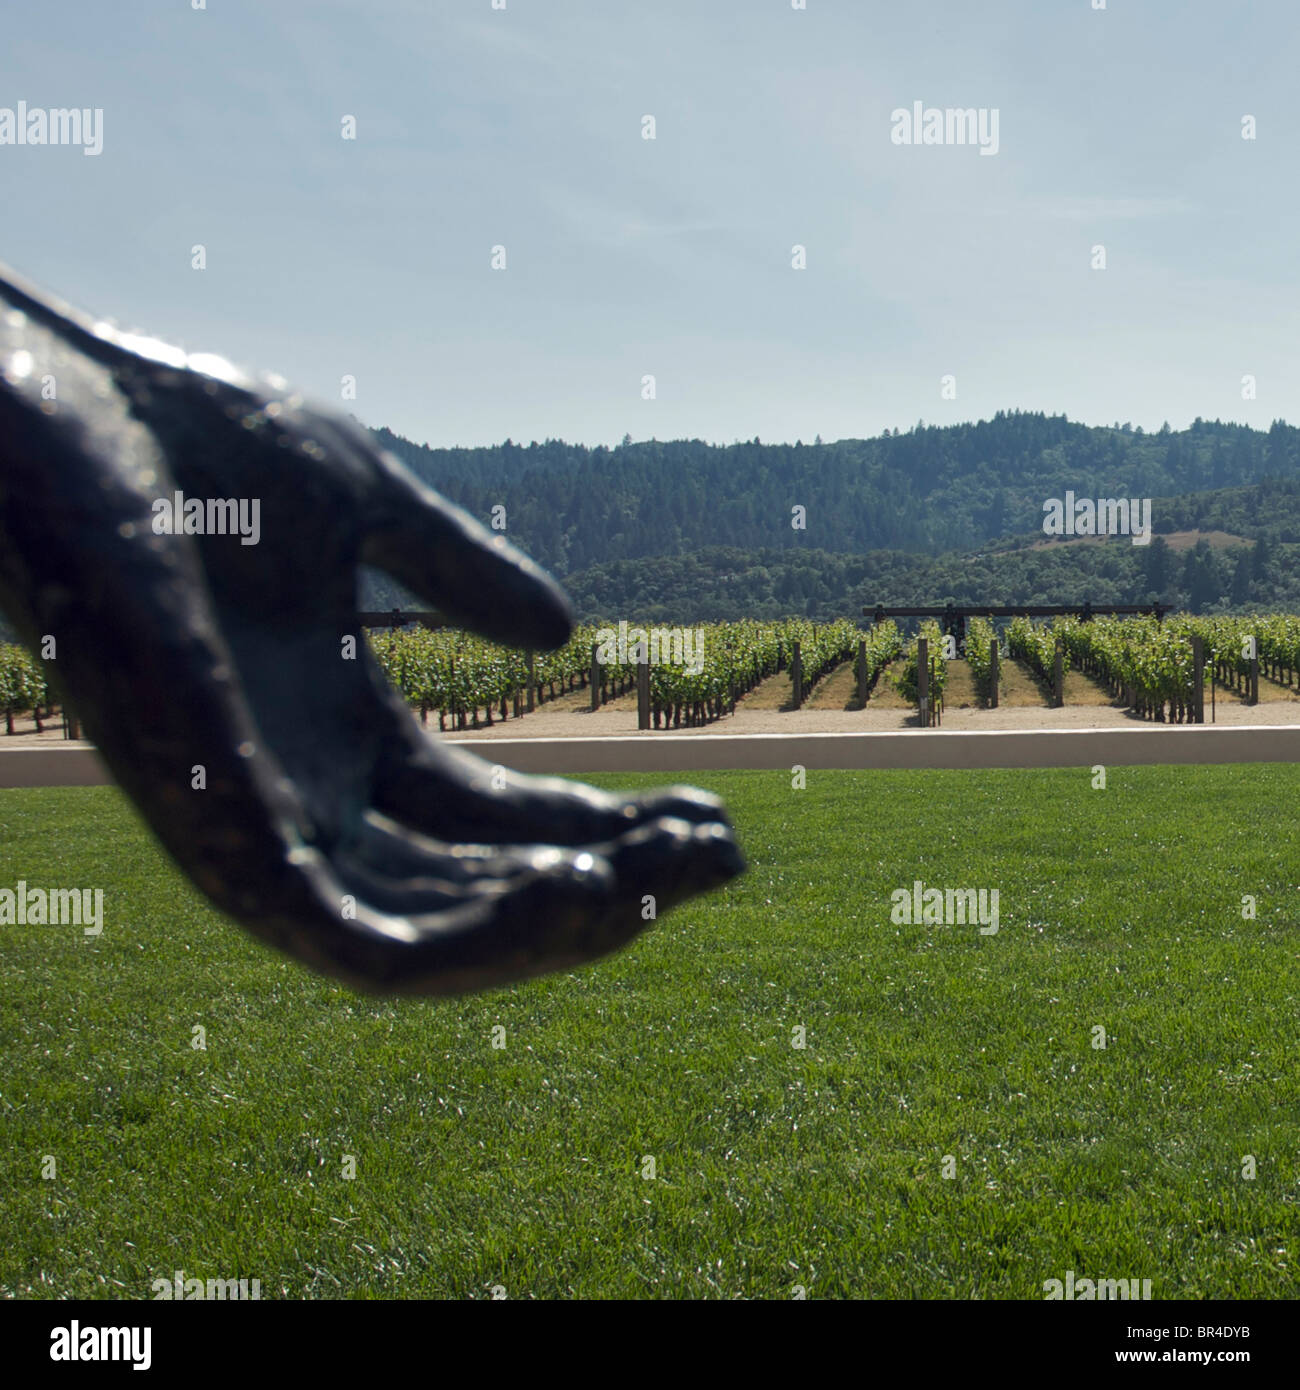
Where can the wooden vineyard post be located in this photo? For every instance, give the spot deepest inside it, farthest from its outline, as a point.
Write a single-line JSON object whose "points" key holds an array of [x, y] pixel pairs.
{"points": [[595, 680], [993, 674], [1058, 677], [796, 674], [1198, 679], [532, 682], [862, 671], [923, 680], [936, 718], [642, 689], [1254, 677]]}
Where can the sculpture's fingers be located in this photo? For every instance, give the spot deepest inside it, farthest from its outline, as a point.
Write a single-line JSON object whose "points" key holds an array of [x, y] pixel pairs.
{"points": [[448, 793], [441, 553], [401, 870], [552, 911], [671, 860], [380, 850], [541, 909]]}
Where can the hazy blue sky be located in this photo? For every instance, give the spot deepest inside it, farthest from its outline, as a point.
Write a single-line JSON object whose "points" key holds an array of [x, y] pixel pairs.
{"points": [[523, 127]]}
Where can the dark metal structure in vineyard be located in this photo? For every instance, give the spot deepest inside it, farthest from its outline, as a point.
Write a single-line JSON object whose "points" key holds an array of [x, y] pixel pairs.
{"points": [[396, 617], [952, 616]]}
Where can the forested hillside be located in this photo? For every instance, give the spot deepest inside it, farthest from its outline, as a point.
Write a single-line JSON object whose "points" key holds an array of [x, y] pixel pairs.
{"points": [[723, 583], [694, 532], [930, 490]]}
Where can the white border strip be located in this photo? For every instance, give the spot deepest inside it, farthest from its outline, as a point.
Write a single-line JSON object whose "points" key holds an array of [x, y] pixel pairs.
{"points": [[78, 765], [57, 765], [921, 748]]}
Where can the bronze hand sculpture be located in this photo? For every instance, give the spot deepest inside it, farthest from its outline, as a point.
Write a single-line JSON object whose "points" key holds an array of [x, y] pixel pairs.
{"points": [[264, 748]]}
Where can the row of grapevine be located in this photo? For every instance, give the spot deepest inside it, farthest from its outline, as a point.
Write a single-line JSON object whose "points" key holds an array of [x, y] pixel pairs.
{"points": [[1035, 645], [1225, 646], [1147, 662], [906, 680], [735, 658], [22, 684], [979, 655], [882, 645], [822, 647], [1278, 638], [690, 687], [730, 660], [457, 674], [1274, 639], [1276, 644]]}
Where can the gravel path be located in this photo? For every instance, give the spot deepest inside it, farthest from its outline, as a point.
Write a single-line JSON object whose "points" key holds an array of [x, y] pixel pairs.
{"points": [[549, 722], [568, 724]]}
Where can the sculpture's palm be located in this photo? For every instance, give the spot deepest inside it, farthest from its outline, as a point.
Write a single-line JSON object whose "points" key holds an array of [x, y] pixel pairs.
{"points": [[264, 748]]}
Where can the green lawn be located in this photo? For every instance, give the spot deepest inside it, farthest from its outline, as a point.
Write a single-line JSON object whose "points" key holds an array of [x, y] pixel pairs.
{"points": [[523, 1167]]}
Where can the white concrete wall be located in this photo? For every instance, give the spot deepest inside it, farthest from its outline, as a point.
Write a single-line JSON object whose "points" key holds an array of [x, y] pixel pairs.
{"points": [[52, 765], [78, 765], [919, 749]]}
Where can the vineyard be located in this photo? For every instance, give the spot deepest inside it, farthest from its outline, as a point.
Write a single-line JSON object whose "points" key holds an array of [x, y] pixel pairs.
{"points": [[908, 678], [1148, 665], [980, 636], [1035, 645], [456, 675], [23, 685], [1145, 665]]}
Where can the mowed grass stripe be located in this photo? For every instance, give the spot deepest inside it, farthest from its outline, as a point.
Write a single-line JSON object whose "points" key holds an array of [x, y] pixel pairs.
{"points": [[775, 1166]]}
